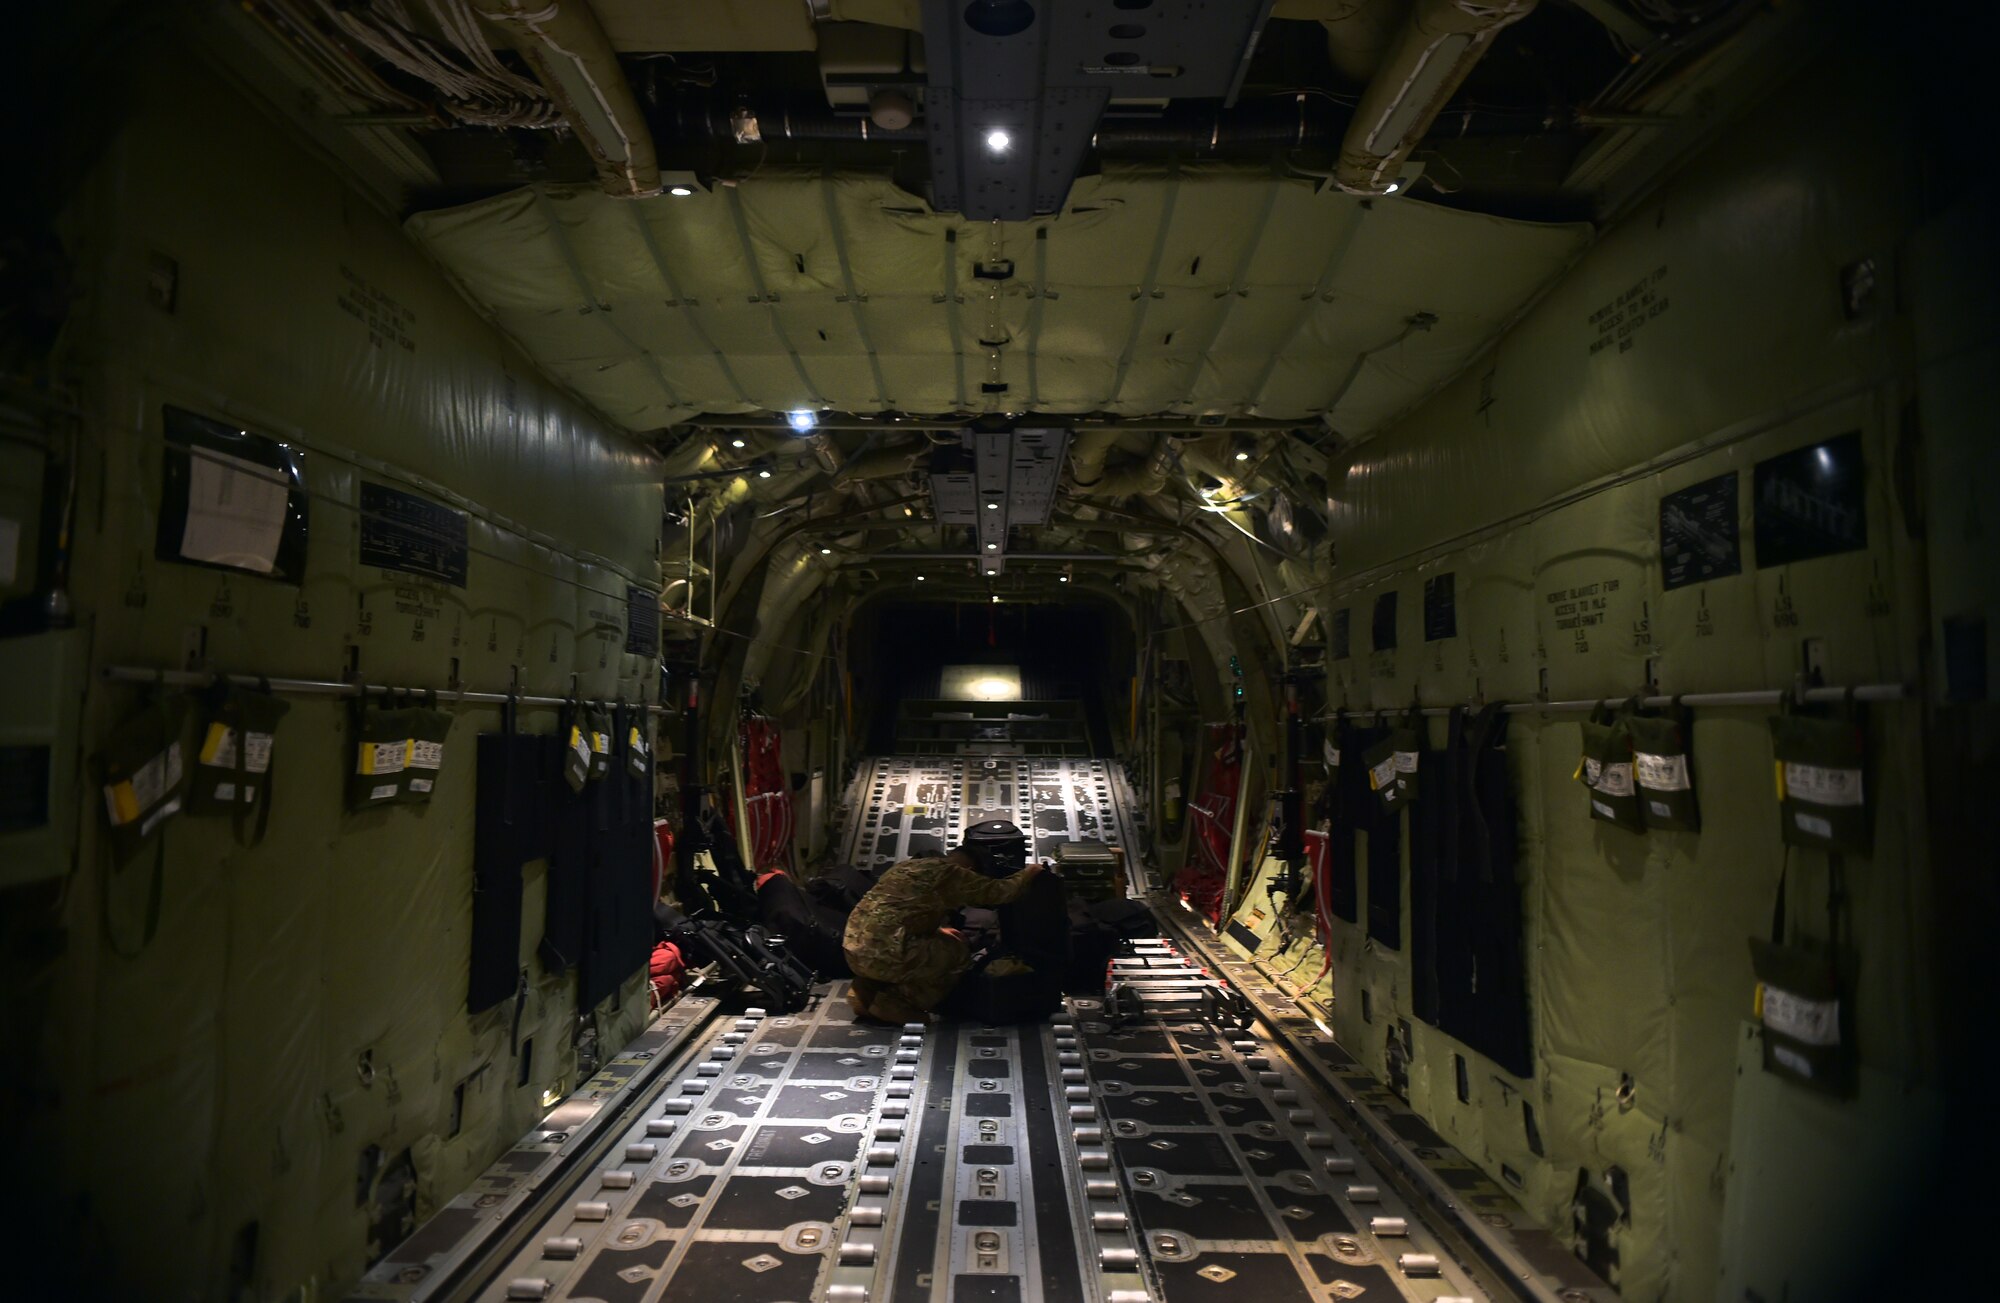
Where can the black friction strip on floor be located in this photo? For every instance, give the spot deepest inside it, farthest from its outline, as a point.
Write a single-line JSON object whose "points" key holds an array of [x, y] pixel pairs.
{"points": [[1055, 1233], [916, 1242]]}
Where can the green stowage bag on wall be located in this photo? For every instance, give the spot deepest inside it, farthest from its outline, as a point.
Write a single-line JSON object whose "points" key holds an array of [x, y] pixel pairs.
{"points": [[1392, 762], [1798, 1002], [577, 750], [381, 756], [597, 727], [232, 769], [140, 768], [632, 729], [1663, 769], [1801, 1002], [1606, 769], [1821, 797], [427, 727]]}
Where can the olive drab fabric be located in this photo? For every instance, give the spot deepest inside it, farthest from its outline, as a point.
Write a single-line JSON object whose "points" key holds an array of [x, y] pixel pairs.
{"points": [[1662, 767], [1822, 798], [233, 754], [1392, 762], [381, 751], [141, 769], [1606, 769]]}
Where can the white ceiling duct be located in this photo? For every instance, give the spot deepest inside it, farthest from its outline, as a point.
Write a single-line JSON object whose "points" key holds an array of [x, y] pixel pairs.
{"points": [[563, 43], [1440, 42]]}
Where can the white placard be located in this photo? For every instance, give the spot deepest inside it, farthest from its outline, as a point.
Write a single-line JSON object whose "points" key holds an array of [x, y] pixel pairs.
{"points": [[235, 513]]}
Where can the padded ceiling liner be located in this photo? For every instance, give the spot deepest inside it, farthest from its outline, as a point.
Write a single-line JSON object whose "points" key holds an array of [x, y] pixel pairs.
{"points": [[1198, 291]]}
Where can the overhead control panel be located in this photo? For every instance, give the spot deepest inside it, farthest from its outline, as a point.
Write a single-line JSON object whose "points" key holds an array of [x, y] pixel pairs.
{"points": [[1008, 479], [1017, 87]]}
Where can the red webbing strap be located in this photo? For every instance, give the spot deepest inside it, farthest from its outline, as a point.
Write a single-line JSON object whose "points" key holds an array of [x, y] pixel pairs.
{"points": [[1319, 850]]}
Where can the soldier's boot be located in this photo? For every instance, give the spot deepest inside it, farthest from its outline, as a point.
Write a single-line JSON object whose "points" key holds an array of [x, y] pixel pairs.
{"points": [[859, 994], [888, 1005]]}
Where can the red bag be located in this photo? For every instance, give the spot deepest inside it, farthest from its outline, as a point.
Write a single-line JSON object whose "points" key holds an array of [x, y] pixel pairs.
{"points": [[668, 968]]}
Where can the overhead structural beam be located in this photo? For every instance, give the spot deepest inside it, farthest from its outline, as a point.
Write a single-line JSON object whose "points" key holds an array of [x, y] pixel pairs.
{"points": [[876, 558], [839, 421]]}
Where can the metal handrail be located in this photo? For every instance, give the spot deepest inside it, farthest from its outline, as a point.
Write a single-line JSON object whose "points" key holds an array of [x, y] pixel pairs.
{"points": [[1757, 697]]}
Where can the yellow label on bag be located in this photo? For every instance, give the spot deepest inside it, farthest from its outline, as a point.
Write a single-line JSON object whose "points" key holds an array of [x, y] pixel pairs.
{"points": [[121, 804], [600, 742], [383, 757], [638, 744], [218, 749]]}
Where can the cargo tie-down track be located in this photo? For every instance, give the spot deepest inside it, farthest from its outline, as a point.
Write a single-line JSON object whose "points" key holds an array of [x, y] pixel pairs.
{"points": [[1183, 1136]]}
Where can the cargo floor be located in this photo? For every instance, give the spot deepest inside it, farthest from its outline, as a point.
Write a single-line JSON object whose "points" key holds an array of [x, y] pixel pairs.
{"points": [[1157, 1144], [1163, 1156]]}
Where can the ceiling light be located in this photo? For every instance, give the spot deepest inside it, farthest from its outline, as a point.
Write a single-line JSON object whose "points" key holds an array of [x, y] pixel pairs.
{"points": [[993, 506], [826, 551], [909, 511], [996, 598], [802, 419], [763, 475], [680, 191], [992, 572], [992, 547], [920, 579], [998, 141], [1062, 579], [1242, 456], [737, 443], [1392, 187]]}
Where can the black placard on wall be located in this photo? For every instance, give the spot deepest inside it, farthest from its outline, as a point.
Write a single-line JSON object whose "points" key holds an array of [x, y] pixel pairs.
{"points": [[1440, 608], [642, 621], [1339, 635], [1701, 537], [1811, 502], [1384, 624], [403, 532]]}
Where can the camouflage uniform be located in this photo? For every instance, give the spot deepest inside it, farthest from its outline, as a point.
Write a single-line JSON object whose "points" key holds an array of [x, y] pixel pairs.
{"points": [[892, 939]]}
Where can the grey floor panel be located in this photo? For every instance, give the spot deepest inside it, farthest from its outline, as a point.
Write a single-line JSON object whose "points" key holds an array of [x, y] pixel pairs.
{"points": [[921, 805], [740, 1180]]}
